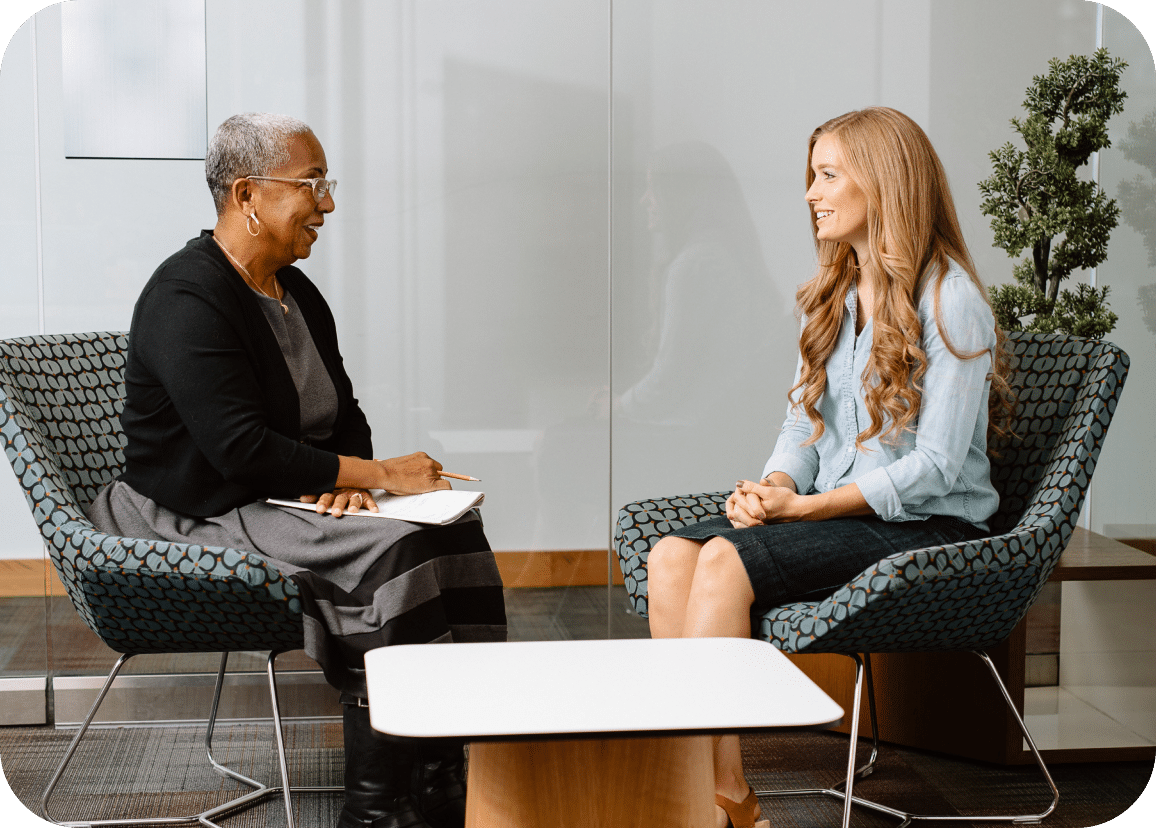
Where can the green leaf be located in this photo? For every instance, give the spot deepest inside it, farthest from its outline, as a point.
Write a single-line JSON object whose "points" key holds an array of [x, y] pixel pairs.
{"points": [[1037, 202]]}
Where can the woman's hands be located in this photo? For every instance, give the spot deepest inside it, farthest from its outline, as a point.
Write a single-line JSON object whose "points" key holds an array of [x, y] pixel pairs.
{"points": [[341, 501], [774, 500], [767, 501], [412, 474]]}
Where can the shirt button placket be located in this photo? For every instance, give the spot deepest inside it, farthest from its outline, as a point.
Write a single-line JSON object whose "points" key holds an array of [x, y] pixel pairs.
{"points": [[850, 429]]}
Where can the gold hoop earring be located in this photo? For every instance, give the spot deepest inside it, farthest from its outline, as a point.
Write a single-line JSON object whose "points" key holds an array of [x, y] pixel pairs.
{"points": [[253, 217]]}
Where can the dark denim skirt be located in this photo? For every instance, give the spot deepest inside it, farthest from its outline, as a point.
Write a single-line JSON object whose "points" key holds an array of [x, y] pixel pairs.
{"points": [[789, 562]]}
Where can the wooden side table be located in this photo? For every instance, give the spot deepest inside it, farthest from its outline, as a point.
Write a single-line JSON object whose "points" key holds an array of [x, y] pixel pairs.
{"points": [[913, 690], [584, 734]]}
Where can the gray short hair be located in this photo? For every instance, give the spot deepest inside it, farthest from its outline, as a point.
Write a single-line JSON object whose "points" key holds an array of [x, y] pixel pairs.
{"points": [[254, 143]]}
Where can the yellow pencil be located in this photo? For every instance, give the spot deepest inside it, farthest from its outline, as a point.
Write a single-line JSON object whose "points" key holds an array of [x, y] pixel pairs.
{"points": [[459, 477]]}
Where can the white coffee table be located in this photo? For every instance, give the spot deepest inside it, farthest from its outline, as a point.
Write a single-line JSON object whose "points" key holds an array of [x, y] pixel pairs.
{"points": [[547, 719]]}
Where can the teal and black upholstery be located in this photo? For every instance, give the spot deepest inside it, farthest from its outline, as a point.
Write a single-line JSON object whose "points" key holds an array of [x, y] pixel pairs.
{"points": [[967, 596], [60, 403]]}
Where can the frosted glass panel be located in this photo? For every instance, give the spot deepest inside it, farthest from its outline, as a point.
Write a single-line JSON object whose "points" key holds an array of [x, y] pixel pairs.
{"points": [[523, 259], [18, 276], [1120, 507], [467, 260], [484, 314], [18, 311], [107, 222], [134, 78], [714, 104]]}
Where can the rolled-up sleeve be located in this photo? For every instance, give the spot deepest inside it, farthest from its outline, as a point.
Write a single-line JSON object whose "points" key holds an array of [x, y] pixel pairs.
{"points": [[790, 456], [954, 397]]}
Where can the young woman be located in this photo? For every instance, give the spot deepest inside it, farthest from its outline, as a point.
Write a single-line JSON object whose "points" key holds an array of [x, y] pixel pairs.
{"points": [[884, 448]]}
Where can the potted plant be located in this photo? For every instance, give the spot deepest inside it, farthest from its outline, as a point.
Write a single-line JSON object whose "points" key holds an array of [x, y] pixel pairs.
{"points": [[1037, 201]]}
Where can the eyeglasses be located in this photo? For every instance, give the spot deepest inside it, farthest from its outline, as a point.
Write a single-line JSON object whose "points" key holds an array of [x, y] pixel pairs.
{"points": [[321, 187]]}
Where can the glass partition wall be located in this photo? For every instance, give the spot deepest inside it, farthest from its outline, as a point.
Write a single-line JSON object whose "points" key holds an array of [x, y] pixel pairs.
{"points": [[467, 265], [564, 257], [24, 654]]}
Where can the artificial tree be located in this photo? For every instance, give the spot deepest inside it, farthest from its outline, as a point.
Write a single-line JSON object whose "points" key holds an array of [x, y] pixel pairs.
{"points": [[1037, 201]]}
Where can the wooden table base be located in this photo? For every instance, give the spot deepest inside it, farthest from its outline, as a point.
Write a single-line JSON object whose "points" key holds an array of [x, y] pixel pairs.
{"points": [[600, 783]]}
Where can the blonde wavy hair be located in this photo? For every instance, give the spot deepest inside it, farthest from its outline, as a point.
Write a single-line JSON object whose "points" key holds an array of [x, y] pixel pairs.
{"points": [[913, 233]]}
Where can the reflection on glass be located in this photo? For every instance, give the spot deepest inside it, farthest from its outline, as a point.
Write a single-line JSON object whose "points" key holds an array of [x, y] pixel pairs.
{"points": [[525, 302], [1138, 196], [711, 281], [23, 646], [1138, 201], [701, 311]]}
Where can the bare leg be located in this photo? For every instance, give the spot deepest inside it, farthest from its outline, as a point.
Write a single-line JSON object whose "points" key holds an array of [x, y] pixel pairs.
{"points": [[701, 590], [669, 574], [729, 779], [719, 604]]}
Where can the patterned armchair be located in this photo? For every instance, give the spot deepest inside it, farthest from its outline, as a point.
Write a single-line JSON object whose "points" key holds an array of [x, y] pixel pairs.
{"points": [[967, 596], [60, 403]]}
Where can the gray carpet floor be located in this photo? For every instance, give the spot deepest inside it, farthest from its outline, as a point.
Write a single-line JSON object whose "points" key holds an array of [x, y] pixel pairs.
{"points": [[146, 772]]}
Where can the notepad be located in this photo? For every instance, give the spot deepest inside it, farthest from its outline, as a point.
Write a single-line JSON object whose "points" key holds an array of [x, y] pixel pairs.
{"points": [[439, 508]]}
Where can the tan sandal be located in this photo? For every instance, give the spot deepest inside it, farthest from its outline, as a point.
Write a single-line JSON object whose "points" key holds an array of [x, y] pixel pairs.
{"points": [[743, 814]]}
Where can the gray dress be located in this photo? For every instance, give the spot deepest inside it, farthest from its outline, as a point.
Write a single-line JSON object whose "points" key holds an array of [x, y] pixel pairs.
{"points": [[366, 582]]}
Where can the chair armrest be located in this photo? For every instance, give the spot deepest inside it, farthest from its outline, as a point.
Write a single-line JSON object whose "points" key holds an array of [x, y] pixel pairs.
{"points": [[181, 596], [642, 523], [961, 596]]}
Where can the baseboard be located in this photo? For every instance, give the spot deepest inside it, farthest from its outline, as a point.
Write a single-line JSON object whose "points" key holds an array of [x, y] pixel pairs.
{"points": [[556, 568], [25, 700], [28, 578], [186, 698], [35, 577]]}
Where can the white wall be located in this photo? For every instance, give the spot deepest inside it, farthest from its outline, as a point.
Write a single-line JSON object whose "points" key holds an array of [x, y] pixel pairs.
{"points": [[492, 270]]}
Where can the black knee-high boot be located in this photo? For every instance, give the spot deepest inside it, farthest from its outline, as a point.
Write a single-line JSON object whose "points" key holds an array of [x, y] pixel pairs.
{"points": [[438, 786], [377, 777]]}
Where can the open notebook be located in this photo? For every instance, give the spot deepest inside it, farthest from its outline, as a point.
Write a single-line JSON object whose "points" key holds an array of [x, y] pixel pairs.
{"points": [[440, 507]]}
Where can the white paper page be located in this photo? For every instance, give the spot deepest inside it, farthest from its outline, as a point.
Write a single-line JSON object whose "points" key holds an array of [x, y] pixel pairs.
{"points": [[440, 507]]}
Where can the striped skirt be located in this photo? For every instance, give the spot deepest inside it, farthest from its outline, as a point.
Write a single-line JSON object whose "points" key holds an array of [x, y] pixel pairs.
{"points": [[365, 582]]}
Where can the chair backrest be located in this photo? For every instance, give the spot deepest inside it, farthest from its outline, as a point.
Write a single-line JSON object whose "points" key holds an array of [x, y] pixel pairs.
{"points": [[68, 390], [60, 402], [1066, 392], [972, 595]]}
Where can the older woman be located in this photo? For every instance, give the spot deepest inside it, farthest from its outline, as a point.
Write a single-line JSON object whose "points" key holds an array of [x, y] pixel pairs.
{"points": [[236, 392]]}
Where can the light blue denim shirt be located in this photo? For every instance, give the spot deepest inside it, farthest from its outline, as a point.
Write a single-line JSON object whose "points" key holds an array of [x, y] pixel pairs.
{"points": [[939, 469]]}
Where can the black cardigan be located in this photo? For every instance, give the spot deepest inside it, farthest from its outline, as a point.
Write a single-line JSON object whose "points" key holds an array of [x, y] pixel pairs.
{"points": [[211, 413]]}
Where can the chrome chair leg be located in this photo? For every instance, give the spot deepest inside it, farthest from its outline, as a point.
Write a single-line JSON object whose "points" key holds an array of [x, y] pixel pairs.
{"points": [[847, 796], [280, 740], [204, 818], [835, 791], [120, 662], [263, 790], [907, 818], [868, 768], [1033, 818], [217, 766]]}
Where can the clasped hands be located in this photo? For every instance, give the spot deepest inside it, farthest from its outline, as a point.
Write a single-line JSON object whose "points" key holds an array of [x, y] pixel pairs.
{"points": [[412, 474], [753, 504]]}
